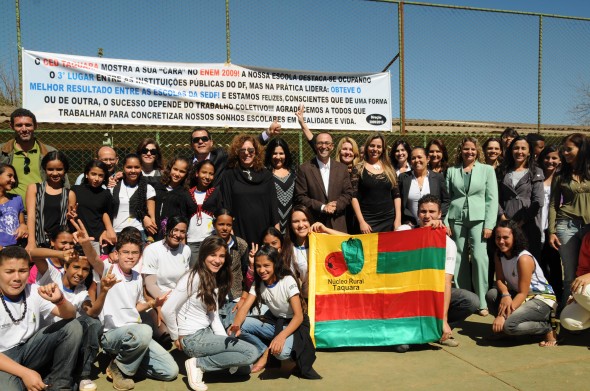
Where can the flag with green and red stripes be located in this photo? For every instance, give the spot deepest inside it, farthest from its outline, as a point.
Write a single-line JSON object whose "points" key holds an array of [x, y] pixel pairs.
{"points": [[377, 289]]}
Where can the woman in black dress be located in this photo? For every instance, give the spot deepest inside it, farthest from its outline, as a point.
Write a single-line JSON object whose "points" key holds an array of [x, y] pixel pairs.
{"points": [[248, 190], [377, 202], [278, 160]]}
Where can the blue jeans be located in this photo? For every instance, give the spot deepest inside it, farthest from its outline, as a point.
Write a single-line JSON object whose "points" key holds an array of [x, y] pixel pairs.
{"points": [[463, 304], [533, 317], [227, 316], [58, 345], [135, 349], [570, 234], [216, 352], [92, 329], [260, 334]]}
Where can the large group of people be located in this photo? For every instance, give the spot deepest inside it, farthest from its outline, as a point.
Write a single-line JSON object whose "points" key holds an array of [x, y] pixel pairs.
{"points": [[209, 252]]}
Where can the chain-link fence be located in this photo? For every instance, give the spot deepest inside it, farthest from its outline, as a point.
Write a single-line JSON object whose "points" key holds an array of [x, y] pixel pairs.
{"points": [[83, 147], [463, 71]]}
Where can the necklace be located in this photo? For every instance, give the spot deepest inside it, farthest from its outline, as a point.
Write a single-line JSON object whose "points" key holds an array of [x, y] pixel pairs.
{"points": [[200, 209], [15, 321], [126, 188], [377, 166], [247, 172]]}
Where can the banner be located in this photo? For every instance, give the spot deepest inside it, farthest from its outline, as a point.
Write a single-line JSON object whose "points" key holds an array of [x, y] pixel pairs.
{"points": [[74, 89], [377, 289]]}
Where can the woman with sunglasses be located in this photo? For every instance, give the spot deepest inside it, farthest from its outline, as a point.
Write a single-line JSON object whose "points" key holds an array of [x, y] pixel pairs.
{"points": [[202, 144], [151, 160], [248, 189]]}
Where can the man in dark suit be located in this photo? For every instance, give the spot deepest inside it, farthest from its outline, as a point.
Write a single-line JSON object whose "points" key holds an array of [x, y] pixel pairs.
{"points": [[202, 144], [323, 186]]}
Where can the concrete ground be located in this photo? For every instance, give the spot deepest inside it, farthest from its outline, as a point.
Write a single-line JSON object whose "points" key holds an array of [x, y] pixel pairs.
{"points": [[479, 363]]}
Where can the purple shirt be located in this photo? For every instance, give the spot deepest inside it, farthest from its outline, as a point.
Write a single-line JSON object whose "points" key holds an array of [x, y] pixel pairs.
{"points": [[9, 223]]}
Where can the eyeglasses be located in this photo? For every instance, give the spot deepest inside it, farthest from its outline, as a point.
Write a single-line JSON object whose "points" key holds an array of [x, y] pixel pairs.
{"points": [[147, 151], [202, 138], [26, 167], [249, 150], [324, 143]]}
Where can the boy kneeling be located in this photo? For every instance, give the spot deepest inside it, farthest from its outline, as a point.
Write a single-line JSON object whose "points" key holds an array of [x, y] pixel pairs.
{"points": [[124, 336]]}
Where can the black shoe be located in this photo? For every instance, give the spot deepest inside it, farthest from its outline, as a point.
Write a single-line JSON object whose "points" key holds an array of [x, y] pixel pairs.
{"points": [[401, 348]]}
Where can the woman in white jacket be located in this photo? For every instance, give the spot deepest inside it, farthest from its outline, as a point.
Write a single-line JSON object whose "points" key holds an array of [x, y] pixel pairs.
{"points": [[191, 314]]}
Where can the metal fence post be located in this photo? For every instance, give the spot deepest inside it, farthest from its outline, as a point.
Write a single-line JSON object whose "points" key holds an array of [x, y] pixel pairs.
{"points": [[227, 34], [20, 55], [540, 75], [402, 101]]}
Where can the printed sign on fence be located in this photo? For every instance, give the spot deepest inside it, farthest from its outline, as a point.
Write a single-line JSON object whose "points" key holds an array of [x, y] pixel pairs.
{"points": [[377, 289], [74, 89]]}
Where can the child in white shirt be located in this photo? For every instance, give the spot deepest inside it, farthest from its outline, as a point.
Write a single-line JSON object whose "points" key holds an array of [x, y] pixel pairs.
{"points": [[123, 334], [25, 349]]}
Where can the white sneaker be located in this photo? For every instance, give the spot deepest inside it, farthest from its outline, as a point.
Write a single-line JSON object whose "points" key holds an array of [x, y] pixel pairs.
{"points": [[87, 385], [194, 375]]}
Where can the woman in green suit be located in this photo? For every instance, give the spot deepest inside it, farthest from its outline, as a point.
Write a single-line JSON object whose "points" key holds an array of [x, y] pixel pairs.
{"points": [[472, 215]]}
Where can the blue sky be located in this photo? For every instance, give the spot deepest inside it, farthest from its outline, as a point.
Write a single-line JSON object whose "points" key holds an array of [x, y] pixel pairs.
{"points": [[459, 65]]}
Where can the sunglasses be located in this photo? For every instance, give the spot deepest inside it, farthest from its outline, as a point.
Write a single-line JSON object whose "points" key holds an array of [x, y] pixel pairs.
{"points": [[147, 151], [202, 138], [27, 168], [249, 150]]}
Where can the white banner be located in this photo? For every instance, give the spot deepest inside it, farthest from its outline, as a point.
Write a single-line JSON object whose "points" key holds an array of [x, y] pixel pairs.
{"points": [[74, 89]]}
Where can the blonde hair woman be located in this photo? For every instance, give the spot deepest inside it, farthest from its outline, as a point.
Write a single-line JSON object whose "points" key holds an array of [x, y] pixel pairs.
{"points": [[472, 215], [347, 152]]}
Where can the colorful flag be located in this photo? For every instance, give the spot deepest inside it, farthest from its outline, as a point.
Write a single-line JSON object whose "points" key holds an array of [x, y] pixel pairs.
{"points": [[377, 289]]}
